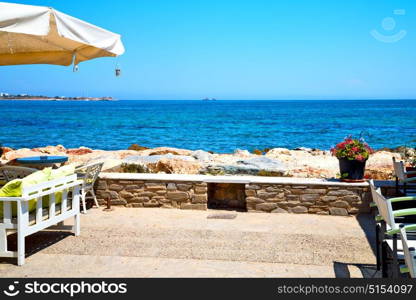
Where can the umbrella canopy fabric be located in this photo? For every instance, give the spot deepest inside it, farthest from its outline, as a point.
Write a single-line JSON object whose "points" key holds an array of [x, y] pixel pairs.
{"points": [[42, 35]]}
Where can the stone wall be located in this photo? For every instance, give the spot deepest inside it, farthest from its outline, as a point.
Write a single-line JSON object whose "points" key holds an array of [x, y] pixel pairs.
{"points": [[313, 199], [136, 193], [282, 196]]}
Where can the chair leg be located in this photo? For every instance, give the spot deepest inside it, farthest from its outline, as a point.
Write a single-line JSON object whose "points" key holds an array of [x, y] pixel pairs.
{"points": [[396, 266], [95, 198], [20, 248], [3, 240], [384, 266], [397, 186], [84, 206], [383, 250], [378, 247], [77, 225]]}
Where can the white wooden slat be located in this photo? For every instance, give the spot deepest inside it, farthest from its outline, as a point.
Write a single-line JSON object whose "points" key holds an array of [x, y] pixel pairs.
{"points": [[11, 254], [64, 203], [49, 184], [75, 209], [39, 210], [7, 212], [23, 219], [52, 202], [22, 230], [76, 198]]}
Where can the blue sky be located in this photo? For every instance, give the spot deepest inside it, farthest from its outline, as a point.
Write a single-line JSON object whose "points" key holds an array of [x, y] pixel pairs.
{"points": [[258, 49]]}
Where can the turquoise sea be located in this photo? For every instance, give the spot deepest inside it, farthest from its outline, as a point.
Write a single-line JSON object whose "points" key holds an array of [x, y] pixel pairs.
{"points": [[220, 126]]}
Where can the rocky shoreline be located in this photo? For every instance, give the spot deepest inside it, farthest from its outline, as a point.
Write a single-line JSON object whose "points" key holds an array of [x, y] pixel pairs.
{"points": [[302, 162]]}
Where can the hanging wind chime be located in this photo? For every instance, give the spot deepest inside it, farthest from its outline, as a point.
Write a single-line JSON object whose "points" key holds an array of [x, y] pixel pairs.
{"points": [[117, 69]]}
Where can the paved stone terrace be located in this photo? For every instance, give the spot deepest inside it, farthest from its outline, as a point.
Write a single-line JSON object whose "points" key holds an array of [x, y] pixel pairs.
{"points": [[154, 242]]}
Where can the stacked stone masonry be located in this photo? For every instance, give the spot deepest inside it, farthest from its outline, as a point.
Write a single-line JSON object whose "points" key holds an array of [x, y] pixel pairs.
{"points": [[312, 199], [133, 193], [272, 198]]}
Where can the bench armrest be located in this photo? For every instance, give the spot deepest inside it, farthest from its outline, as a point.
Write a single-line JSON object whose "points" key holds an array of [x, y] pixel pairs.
{"points": [[15, 199], [401, 199], [403, 213], [409, 179], [410, 227], [392, 200], [399, 213]]}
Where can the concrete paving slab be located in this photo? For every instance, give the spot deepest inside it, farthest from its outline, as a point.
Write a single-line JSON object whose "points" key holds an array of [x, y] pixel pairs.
{"points": [[175, 243]]}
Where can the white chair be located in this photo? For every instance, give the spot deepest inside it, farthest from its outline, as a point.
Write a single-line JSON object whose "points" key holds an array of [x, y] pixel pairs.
{"points": [[402, 178], [408, 250], [88, 174], [10, 173], [389, 222]]}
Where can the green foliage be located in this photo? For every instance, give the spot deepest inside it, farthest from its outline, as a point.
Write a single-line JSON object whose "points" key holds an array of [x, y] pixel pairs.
{"points": [[271, 174], [134, 168], [260, 152], [257, 152]]}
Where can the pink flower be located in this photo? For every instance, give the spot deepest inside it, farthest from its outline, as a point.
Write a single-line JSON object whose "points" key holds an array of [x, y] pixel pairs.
{"points": [[341, 145], [355, 149], [359, 157]]}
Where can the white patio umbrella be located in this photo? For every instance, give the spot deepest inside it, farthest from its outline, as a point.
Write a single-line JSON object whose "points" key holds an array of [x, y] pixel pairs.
{"points": [[42, 35]]}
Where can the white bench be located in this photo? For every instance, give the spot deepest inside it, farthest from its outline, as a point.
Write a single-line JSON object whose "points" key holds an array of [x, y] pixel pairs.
{"points": [[27, 223]]}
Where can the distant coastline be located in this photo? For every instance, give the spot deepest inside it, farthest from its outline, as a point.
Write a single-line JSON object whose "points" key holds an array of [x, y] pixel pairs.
{"points": [[56, 98]]}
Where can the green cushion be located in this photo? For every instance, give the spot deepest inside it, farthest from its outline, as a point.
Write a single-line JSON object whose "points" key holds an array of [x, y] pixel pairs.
{"points": [[57, 174], [62, 172], [15, 187]]}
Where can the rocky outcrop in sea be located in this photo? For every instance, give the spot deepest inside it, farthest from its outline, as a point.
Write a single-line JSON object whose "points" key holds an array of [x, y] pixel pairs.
{"points": [[301, 162]]}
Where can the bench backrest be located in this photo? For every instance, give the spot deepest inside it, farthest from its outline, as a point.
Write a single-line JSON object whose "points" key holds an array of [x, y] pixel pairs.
{"points": [[384, 207], [399, 170], [49, 187], [68, 189]]}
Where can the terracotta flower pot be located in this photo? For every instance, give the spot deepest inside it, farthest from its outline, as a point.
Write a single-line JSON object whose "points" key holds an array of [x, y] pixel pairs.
{"points": [[351, 170]]}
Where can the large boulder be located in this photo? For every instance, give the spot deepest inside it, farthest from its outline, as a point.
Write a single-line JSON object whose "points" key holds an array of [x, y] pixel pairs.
{"points": [[262, 163], [382, 159], [174, 166], [202, 156], [165, 150], [79, 151], [51, 150], [155, 158], [24, 152], [242, 153], [169, 164], [253, 166], [4, 150]]}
